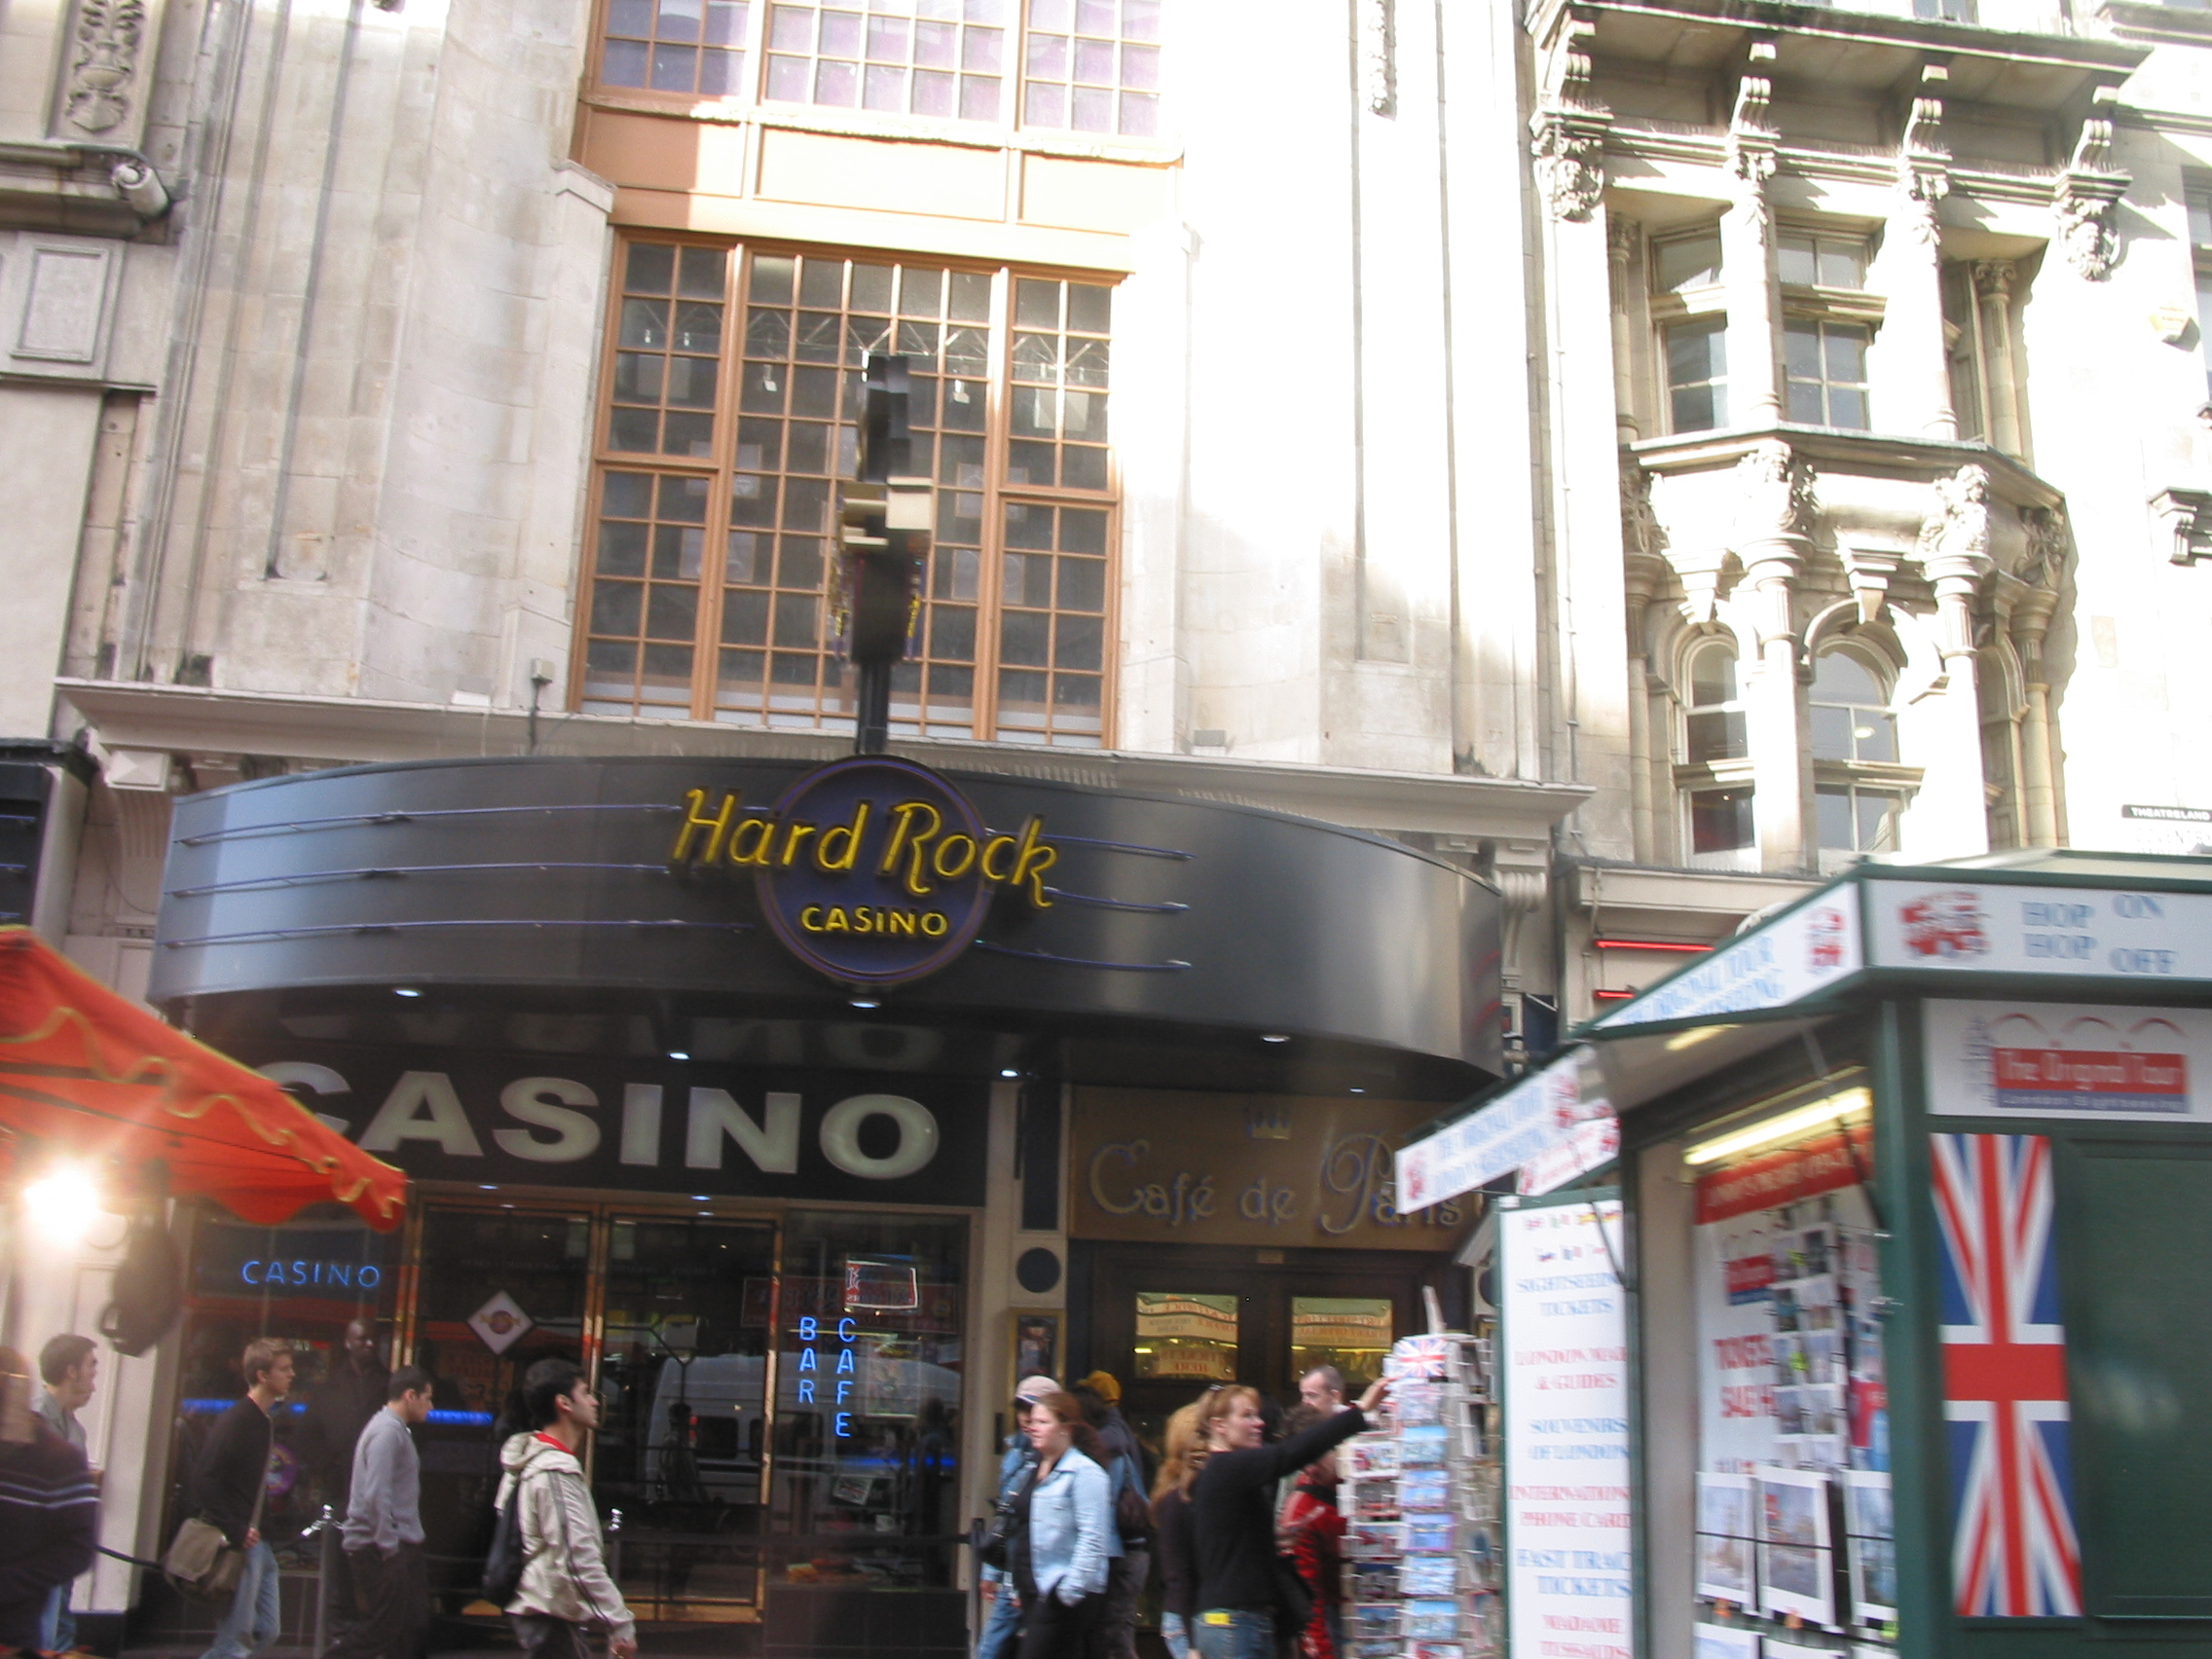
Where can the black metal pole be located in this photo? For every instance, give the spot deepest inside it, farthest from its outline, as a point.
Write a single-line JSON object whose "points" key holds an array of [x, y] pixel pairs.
{"points": [[873, 726]]}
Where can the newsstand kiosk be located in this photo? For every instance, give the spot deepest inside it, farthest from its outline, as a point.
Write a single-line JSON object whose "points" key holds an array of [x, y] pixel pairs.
{"points": [[1914, 1260]]}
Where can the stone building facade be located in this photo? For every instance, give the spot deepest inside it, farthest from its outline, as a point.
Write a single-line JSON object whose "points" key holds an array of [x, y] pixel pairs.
{"points": [[1652, 453]]}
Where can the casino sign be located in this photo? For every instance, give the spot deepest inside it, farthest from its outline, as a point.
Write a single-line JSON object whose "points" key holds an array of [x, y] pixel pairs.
{"points": [[873, 871]]}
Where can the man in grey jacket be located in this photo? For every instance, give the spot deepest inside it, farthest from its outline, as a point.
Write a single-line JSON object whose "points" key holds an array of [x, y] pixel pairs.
{"points": [[565, 1589], [382, 1531]]}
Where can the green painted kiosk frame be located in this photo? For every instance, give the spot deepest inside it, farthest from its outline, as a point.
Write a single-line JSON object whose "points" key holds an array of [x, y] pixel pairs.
{"points": [[1917, 1179]]}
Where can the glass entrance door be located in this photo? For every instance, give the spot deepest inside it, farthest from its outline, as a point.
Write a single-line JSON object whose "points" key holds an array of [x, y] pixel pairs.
{"points": [[683, 1440]]}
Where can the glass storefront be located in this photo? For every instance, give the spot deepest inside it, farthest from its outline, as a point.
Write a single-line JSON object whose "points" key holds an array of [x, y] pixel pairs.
{"points": [[781, 1396], [303, 1282]]}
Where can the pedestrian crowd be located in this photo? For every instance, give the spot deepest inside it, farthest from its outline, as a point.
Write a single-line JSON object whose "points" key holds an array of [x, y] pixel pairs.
{"points": [[1240, 1519], [1248, 1569], [559, 1591]]}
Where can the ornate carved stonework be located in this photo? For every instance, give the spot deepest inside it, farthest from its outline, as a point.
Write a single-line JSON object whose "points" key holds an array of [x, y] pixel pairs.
{"points": [[1569, 126], [1570, 163], [1752, 134], [1641, 533], [1954, 533], [2048, 539], [2088, 197], [1378, 55], [103, 63], [1775, 499]]}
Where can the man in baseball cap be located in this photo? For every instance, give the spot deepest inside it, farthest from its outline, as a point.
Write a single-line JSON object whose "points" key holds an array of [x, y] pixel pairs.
{"points": [[1030, 1389]]}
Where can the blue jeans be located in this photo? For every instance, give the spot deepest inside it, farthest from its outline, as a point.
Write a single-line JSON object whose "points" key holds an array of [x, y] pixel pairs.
{"points": [[57, 1625], [251, 1622], [1174, 1635], [999, 1629], [1233, 1633]]}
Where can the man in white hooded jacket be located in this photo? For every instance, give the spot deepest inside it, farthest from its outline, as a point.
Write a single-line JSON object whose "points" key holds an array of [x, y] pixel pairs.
{"points": [[565, 1589]]}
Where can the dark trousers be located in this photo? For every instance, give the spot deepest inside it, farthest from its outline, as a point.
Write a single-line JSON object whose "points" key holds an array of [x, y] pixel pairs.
{"points": [[541, 1635], [1050, 1629], [392, 1596]]}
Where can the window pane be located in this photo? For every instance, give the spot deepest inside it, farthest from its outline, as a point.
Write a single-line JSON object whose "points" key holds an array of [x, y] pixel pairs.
{"points": [[1874, 735], [1720, 821], [1801, 349], [1793, 260], [1716, 736], [1832, 802], [2201, 217], [1877, 811], [1353, 1334], [1091, 71], [1713, 678], [1687, 261], [1832, 733], [1186, 1338], [1843, 264], [1841, 678]]}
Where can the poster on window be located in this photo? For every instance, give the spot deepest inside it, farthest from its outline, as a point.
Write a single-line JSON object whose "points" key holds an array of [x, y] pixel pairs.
{"points": [[1566, 1473], [2036, 1059]]}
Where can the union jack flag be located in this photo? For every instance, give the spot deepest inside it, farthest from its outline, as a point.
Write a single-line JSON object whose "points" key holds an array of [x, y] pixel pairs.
{"points": [[2013, 1549]]}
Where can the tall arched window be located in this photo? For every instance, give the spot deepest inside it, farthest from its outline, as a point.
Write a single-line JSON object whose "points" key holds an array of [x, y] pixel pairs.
{"points": [[1720, 827], [1715, 717], [1851, 725]]}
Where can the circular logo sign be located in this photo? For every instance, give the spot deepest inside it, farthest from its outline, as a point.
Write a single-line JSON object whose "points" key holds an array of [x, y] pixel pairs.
{"points": [[872, 870]]}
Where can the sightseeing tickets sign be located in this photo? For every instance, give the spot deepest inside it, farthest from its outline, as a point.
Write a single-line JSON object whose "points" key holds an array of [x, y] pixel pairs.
{"points": [[872, 870]]}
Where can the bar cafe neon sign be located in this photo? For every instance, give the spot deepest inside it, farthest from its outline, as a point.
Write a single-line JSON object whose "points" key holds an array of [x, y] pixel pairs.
{"points": [[873, 871]]}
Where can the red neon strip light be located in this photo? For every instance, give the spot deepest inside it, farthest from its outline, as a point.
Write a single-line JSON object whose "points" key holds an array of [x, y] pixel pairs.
{"points": [[1612, 996], [1651, 944]]}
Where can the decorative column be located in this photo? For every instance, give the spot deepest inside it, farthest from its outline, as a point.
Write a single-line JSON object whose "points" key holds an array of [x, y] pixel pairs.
{"points": [[1642, 571], [1993, 301], [1621, 235], [1950, 814], [1775, 517], [1746, 250], [2041, 571], [1912, 322]]}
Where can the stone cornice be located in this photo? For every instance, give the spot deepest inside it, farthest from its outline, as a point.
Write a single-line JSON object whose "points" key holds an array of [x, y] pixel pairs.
{"points": [[1832, 451], [189, 718]]}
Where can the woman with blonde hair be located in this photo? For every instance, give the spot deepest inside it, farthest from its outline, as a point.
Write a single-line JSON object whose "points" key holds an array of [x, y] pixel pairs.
{"points": [[1232, 1517], [1171, 1542]]}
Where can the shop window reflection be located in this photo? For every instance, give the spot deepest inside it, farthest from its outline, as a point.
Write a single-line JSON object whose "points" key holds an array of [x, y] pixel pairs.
{"points": [[1186, 1337], [302, 1284], [868, 1369], [682, 1384], [470, 1260], [1352, 1333]]}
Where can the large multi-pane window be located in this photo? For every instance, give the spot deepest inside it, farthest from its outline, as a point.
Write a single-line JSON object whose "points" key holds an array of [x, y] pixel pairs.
{"points": [[1714, 722], [1093, 66], [1082, 65], [1824, 364], [1697, 376], [729, 425]]}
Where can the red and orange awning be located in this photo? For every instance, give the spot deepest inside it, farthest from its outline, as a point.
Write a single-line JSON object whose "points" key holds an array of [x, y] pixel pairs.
{"points": [[97, 1077]]}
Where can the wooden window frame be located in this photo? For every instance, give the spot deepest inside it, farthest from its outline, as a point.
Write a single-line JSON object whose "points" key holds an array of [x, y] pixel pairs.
{"points": [[719, 468]]}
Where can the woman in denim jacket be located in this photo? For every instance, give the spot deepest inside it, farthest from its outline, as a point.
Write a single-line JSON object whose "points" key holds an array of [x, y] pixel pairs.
{"points": [[1060, 1546]]}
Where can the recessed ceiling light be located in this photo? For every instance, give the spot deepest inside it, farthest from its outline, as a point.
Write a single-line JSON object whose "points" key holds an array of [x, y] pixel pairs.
{"points": [[678, 1055], [867, 1002], [1359, 1091], [1007, 1071], [405, 991], [487, 1186], [702, 1197], [1274, 1035]]}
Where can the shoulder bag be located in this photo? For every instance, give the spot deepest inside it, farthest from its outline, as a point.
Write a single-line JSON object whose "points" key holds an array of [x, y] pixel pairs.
{"points": [[201, 1564]]}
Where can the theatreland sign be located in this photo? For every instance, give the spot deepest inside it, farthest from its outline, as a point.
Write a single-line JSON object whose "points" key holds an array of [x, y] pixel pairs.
{"points": [[870, 870]]}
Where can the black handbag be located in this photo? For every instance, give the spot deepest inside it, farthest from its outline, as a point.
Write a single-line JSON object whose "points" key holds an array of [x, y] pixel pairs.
{"points": [[1005, 1521]]}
